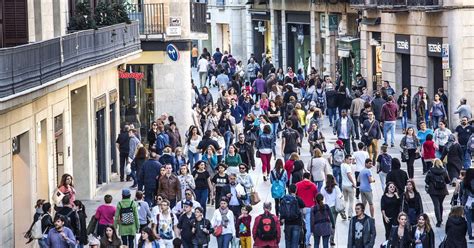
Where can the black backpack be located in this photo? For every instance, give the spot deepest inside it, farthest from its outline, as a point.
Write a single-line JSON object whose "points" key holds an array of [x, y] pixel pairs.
{"points": [[438, 182], [289, 208], [266, 229]]}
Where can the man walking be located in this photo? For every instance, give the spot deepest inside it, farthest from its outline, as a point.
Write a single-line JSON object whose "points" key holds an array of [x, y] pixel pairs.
{"points": [[291, 209], [266, 230], [236, 194], [348, 184], [170, 186], [60, 236], [361, 229], [357, 106], [307, 191], [123, 146], [290, 140], [344, 129], [366, 179], [463, 132], [149, 177], [371, 131], [389, 119]]}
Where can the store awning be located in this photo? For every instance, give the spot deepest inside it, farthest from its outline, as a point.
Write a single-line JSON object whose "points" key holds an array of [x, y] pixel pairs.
{"points": [[371, 21]]}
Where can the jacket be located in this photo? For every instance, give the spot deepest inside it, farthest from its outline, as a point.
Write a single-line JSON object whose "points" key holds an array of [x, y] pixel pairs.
{"points": [[430, 180], [399, 177], [319, 168], [123, 142], [150, 170], [74, 224], [331, 100], [259, 85], [389, 112], [307, 191], [265, 243], [170, 187], [357, 106], [405, 242], [239, 189], [237, 112], [297, 173], [350, 127], [266, 141], [403, 145], [125, 230], [427, 238], [368, 235], [246, 152], [372, 129], [205, 99], [168, 158], [377, 105], [456, 229], [416, 100]]}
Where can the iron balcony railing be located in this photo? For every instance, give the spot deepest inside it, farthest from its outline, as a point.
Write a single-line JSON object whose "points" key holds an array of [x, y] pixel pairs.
{"points": [[385, 3], [423, 2], [32, 65], [151, 17], [198, 17]]}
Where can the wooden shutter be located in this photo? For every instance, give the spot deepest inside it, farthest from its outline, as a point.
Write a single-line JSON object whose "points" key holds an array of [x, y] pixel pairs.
{"points": [[15, 22]]}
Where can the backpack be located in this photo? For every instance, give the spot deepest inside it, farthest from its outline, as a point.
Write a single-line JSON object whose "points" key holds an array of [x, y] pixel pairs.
{"points": [[68, 222], [266, 229], [289, 208], [385, 163], [338, 156], [278, 186], [438, 182], [36, 232], [127, 216], [320, 100]]}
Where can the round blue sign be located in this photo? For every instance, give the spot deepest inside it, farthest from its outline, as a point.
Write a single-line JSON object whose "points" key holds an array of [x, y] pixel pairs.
{"points": [[172, 52]]}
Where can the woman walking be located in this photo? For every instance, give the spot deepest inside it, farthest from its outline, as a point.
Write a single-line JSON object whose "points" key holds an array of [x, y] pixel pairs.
{"points": [[224, 219], [412, 204], [441, 136], [454, 156], [278, 174], [202, 181], [467, 198], [319, 168], [66, 186], [244, 179], [192, 143], [331, 193], [436, 179], [322, 222], [404, 108], [437, 111], [456, 227], [390, 206], [422, 234], [400, 235], [265, 146], [410, 147], [232, 160]]}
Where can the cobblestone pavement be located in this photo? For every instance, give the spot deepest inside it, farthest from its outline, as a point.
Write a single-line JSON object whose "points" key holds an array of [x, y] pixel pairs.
{"points": [[263, 189]]}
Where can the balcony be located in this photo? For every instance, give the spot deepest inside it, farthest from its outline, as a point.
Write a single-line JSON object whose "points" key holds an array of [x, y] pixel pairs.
{"points": [[198, 17], [396, 5], [151, 18], [31, 66], [363, 4]]}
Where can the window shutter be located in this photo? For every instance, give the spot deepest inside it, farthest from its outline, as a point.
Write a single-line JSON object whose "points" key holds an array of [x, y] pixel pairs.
{"points": [[15, 22]]}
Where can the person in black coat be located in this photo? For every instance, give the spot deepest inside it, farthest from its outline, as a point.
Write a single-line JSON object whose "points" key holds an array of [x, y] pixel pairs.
{"points": [[412, 203], [207, 141], [81, 212], [297, 173], [422, 233], [436, 180], [456, 228], [397, 176], [397, 240], [455, 157]]}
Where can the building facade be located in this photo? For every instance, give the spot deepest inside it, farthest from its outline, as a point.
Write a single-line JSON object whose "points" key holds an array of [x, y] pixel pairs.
{"points": [[403, 42], [59, 106]]}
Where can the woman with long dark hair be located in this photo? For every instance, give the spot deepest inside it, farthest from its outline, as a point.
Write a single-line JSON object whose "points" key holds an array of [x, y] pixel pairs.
{"points": [[110, 239], [136, 166], [390, 206], [322, 222], [467, 198], [412, 204], [410, 146], [404, 108], [265, 145], [82, 217], [192, 142], [202, 180], [278, 174], [422, 234], [152, 134], [148, 239], [66, 186]]}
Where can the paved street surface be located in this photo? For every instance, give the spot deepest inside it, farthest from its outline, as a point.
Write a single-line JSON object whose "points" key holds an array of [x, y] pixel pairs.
{"points": [[263, 189]]}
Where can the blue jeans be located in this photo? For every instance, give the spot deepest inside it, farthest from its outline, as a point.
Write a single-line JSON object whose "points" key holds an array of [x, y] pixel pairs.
{"points": [[223, 241], [325, 241], [468, 212], [319, 184], [275, 129], [128, 240], [193, 158], [336, 171], [435, 121], [307, 224], [133, 175], [467, 157], [292, 236], [201, 197], [405, 120], [150, 195], [228, 135], [43, 243], [389, 126], [332, 115]]}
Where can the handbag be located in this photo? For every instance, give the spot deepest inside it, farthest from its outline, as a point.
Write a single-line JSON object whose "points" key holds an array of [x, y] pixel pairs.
{"points": [[128, 169], [58, 197], [217, 231], [340, 204], [417, 155], [254, 197], [257, 154], [92, 226], [403, 157], [443, 243]]}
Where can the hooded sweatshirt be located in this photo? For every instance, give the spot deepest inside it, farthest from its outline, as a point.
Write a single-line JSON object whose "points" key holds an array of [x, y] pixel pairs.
{"points": [[389, 112], [297, 174], [307, 191]]}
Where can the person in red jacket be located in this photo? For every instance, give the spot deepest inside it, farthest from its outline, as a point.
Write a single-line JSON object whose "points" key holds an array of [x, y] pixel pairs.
{"points": [[307, 191], [266, 230], [389, 116], [428, 153]]}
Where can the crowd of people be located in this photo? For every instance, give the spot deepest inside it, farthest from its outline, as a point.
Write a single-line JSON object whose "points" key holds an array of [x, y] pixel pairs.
{"points": [[177, 179]]}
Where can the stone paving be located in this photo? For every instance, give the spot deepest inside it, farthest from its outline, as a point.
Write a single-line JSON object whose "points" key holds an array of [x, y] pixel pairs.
{"points": [[263, 188]]}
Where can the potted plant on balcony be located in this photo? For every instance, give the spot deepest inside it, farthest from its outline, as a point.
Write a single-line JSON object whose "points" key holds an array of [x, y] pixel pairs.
{"points": [[110, 14], [81, 18]]}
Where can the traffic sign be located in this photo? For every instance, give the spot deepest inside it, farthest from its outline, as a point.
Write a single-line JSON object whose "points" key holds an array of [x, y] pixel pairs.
{"points": [[173, 52]]}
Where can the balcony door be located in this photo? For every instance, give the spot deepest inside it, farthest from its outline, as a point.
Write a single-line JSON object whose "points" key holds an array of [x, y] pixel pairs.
{"points": [[13, 23]]}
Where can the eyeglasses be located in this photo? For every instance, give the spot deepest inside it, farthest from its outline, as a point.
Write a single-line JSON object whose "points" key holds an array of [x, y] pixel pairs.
{"points": [[188, 194]]}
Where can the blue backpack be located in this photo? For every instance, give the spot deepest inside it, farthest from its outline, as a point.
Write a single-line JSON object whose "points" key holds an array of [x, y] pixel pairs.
{"points": [[278, 186]]}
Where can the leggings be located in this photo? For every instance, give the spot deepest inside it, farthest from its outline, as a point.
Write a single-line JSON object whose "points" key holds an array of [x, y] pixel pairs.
{"points": [[265, 162]]}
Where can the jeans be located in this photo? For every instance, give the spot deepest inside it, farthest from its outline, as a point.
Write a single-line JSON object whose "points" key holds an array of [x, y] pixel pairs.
{"points": [[347, 145], [355, 119], [357, 184], [411, 162], [325, 241], [201, 197], [467, 157], [187, 244], [265, 163], [292, 236], [383, 179], [438, 206], [307, 224], [43, 243], [389, 126], [128, 240], [319, 184], [275, 129], [133, 175], [468, 212], [336, 171], [193, 158], [405, 120], [123, 161], [435, 121], [277, 206], [223, 241], [203, 77], [228, 136], [150, 195], [332, 115], [194, 61], [348, 193]]}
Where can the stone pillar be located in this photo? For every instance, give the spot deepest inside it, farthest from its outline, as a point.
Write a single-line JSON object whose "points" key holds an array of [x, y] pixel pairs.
{"points": [[236, 38], [274, 36], [172, 82], [313, 38], [283, 39], [330, 53], [249, 32]]}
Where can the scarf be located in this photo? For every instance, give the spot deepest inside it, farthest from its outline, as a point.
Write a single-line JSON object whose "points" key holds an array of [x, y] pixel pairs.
{"points": [[451, 141], [225, 220]]}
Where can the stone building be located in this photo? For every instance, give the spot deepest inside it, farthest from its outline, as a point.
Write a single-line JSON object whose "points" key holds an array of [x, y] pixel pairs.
{"points": [[402, 42]]}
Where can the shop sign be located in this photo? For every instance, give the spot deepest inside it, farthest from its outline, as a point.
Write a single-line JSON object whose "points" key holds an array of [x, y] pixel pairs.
{"points": [[127, 75], [173, 31], [333, 22], [172, 52], [402, 43], [445, 56], [434, 46]]}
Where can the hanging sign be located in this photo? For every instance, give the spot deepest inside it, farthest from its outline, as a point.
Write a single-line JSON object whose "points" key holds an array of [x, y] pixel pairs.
{"points": [[445, 56], [127, 75], [173, 52]]}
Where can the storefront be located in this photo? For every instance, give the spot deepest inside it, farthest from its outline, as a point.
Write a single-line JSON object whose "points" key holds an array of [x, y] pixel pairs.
{"points": [[261, 35], [402, 63], [298, 40], [435, 64], [136, 87], [349, 59]]}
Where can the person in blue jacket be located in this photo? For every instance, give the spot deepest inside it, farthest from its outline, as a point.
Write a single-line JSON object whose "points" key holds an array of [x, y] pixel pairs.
{"points": [[148, 176]]}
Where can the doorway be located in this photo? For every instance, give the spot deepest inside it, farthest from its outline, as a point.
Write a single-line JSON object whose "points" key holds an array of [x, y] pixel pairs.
{"points": [[22, 198], [259, 30], [437, 74], [406, 74], [59, 146], [42, 157], [113, 134], [100, 146]]}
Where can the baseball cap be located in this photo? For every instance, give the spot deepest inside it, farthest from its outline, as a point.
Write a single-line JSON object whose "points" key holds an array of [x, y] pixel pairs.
{"points": [[188, 203], [339, 143], [126, 192]]}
